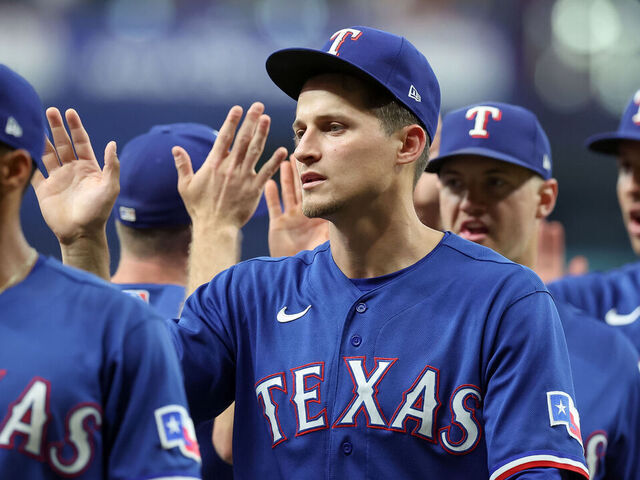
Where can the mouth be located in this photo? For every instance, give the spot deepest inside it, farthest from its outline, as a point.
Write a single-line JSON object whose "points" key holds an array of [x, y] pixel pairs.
{"points": [[634, 222], [474, 230], [310, 180]]}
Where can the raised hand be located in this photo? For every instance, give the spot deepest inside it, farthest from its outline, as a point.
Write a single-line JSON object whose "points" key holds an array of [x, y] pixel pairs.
{"points": [[77, 196], [223, 194], [289, 230], [552, 256]]}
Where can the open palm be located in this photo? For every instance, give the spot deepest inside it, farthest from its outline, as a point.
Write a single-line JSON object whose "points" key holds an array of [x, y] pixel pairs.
{"points": [[77, 196]]}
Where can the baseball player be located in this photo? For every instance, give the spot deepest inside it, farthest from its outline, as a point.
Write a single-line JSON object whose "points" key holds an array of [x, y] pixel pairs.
{"points": [[90, 386], [614, 296], [154, 233], [496, 189], [393, 350]]}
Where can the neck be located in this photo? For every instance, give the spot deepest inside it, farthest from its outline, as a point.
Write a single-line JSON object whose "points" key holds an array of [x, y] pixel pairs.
{"points": [[160, 270], [382, 241], [15, 252]]}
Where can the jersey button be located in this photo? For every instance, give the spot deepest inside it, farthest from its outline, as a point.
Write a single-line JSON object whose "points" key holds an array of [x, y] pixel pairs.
{"points": [[361, 307], [356, 340], [347, 448]]}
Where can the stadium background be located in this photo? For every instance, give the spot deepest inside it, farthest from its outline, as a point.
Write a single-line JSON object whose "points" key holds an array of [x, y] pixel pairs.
{"points": [[128, 64]]}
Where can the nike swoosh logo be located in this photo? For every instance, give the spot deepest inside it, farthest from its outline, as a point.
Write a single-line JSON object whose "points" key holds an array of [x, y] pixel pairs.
{"points": [[613, 318], [284, 317]]}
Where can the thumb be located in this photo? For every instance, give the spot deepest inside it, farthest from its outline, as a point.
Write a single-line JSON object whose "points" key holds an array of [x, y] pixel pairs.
{"points": [[112, 164], [183, 166]]}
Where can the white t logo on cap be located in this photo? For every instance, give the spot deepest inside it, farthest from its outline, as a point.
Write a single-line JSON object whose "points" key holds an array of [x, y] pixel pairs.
{"points": [[340, 36], [13, 128], [481, 114], [636, 100]]}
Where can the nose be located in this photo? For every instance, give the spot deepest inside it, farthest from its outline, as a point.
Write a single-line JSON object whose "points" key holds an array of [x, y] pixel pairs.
{"points": [[307, 150], [472, 201]]}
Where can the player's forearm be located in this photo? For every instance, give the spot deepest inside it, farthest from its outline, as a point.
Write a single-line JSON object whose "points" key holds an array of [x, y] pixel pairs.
{"points": [[89, 253], [214, 248]]}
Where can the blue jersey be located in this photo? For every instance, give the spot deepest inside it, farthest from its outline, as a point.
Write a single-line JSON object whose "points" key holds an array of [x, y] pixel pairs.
{"points": [[90, 386], [612, 296], [167, 300], [607, 386], [456, 366]]}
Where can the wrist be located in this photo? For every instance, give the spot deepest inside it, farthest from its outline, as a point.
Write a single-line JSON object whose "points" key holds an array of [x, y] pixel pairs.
{"points": [[89, 253]]}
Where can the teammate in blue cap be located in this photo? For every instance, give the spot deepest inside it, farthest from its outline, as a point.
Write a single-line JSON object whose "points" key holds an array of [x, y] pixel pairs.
{"points": [[496, 189], [614, 296], [90, 386], [394, 350], [154, 232]]}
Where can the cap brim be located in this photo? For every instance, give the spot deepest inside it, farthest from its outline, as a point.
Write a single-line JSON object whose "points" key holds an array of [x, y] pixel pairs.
{"points": [[291, 68], [609, 142], [434, 165]]}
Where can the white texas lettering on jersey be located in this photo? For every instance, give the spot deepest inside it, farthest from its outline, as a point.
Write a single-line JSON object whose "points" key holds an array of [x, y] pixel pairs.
{"points": [[481, 113], [78, 437], [28, 417], [419, 404], [340, 36], [33, 405], [464, 418], [595, 449], [302, 396], [269, 406], [365, 389]]}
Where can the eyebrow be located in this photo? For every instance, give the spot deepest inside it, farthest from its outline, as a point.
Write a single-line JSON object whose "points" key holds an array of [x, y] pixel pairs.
{"points": [[339, 117]]}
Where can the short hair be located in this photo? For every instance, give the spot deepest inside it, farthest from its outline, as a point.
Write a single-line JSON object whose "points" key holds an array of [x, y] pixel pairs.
{"points": [[154, 242], [393, 116]]}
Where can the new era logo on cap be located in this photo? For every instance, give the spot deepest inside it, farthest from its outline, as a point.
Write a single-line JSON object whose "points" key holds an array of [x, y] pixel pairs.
{"points": [[13, 128], [389, 60], [495, 130]]}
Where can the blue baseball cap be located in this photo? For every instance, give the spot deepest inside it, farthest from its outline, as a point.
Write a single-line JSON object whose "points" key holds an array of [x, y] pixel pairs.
{"points": [[629, 129], [389, 60], [495, 130], [149, 195], [22, 123]]}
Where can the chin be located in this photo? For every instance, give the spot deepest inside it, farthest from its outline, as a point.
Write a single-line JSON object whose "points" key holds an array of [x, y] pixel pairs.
{"points": [[320, 210]]}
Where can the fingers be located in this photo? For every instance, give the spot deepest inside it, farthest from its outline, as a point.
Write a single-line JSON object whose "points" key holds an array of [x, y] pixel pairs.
{"points": [[271, 167], [80, 137], [50, 157], [61, 139], [112, 165], [273, 200], [223, 142], [183, 166], [246, 134], [288, 188], [256, 146], [579, 265]]}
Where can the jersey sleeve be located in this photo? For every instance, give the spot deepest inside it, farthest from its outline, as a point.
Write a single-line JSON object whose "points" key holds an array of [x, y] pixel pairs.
{"points": [[205, 342], [583, 292], [147, 428], [530, 417]]}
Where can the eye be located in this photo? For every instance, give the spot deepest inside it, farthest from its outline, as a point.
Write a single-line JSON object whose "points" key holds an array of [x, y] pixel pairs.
{"points": [[335, 127], [450, 182], [624, 166], [496, 182], [297, 135]]}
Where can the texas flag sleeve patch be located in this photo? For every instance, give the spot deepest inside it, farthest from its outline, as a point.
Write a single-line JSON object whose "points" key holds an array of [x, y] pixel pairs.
{"points": [[175, 429], [562, 411]]}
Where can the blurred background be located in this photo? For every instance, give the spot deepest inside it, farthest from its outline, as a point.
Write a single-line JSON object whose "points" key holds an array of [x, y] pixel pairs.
{"points": [[128, 64]]}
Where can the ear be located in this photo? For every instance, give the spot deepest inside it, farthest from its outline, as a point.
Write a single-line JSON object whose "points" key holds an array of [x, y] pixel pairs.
{"points": [[548, 193], [414, 141], [15, 170]]}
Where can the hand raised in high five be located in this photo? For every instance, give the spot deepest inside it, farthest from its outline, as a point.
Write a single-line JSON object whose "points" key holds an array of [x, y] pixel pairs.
{"points": [[289, 230], [223, 194], [77, 196], [552, 256]]}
